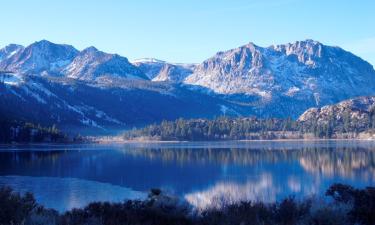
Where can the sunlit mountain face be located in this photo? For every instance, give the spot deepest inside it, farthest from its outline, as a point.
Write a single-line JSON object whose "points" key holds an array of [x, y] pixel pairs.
{"points": [[207, 175], [98, 91]]}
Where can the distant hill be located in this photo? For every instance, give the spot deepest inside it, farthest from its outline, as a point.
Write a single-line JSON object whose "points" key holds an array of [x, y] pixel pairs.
{"points": [[353, 118], [354, 115]]}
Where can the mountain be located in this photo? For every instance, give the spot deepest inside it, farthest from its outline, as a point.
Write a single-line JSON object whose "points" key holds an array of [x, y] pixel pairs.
{"points": [[358, 112], [9, 50], [174, 72], [353, 118], [293, 76], [91, 89], [91, 63], [40, 57], [149, 66], [104, 107], [159, 70]]}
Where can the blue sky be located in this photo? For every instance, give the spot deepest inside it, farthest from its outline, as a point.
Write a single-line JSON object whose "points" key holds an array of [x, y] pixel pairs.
{"points": [[189, 30]]}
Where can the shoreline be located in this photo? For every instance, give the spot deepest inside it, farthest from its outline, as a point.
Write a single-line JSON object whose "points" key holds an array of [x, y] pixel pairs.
{"points": [[100, 142], [242, 140]]}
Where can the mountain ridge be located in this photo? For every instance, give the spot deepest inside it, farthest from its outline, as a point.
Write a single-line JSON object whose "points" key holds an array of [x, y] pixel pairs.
{"points": [[276, 81]]}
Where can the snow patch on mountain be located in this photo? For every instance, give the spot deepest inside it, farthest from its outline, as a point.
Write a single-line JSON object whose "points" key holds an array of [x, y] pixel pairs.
{"points": [[304, 70], [223, 109], [12, 79], [42, 56], [92, 63], [9, 50], [147, 60], [33, 94], [103, 115], [173, 73], [158, 70], [41, 88]]}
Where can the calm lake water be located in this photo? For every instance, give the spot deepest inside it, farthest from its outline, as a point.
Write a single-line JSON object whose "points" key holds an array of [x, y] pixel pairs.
{"points": [[205, 174]]}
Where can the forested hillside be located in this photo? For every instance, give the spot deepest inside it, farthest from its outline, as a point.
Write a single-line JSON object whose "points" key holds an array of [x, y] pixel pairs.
{"points": [[21, 132], [347, 119]]}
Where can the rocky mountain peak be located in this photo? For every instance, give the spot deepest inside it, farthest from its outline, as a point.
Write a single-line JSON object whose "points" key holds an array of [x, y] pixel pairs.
{"points": [[90, 49], [49, 49], [306, 72], [9, 50], [159, 70], [173, 72], [306, 52], [241, 58], [92, 63], [148, 60], [41, 56]]}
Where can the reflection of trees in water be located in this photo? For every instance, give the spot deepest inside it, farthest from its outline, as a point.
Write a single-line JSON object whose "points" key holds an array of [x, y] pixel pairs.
{"points": [[344, 161], [350, 162], [29, 158], [214, 155]]}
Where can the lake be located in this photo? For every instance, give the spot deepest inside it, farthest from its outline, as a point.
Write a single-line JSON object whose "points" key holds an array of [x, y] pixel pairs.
{"points": [[206, 174]]}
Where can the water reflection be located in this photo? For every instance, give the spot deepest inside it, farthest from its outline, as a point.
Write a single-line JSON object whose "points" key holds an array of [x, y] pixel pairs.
{"points": [[206, 176], [262, 189], [72, 193], [328, 161], [349, 163]]}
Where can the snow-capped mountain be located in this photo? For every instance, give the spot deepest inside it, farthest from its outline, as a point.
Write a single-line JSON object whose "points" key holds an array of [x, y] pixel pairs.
{"points": [[150, 66], [40, 57], [47, 58], [174, 72], [103, 107], [304, 71], [96, 89], [92, 63], [159, 70], [9, 50]]}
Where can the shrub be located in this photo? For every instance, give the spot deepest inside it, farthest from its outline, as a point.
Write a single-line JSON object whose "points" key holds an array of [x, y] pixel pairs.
{"points": [[350, 206], [14, 208]]}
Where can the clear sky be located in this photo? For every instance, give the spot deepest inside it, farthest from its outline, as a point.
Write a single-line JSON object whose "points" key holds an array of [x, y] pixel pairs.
{"points": [[189, 30]]}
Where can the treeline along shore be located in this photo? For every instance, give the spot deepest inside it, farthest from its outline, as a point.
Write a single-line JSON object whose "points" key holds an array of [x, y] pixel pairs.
{"points": [[251, 128], [12, 131]]}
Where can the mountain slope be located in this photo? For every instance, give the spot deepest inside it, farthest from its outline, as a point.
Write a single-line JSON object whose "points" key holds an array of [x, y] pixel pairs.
{"points": [[103, 106], [354, 114], [159, 70], [9, 50], [93, 89], [40, 57], [149, 66], [299, 75], [92, 63], [174, 73]]}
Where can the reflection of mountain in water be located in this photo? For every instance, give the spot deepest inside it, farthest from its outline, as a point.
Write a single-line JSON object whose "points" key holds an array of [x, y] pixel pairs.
{"points": [[346, 162], [205, 175], [224, 193], [265, 189]]}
